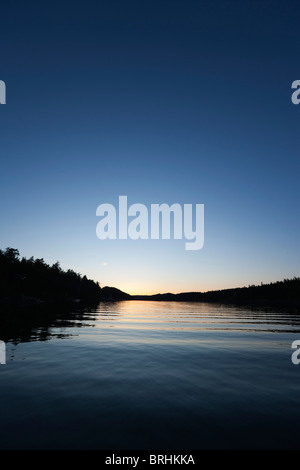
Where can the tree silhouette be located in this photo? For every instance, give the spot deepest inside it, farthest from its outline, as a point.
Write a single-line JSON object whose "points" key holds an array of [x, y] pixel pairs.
{"points": [[36, 280]]}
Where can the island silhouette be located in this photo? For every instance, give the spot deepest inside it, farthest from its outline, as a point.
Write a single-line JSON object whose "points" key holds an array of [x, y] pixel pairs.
{"points": [[33, 282]]}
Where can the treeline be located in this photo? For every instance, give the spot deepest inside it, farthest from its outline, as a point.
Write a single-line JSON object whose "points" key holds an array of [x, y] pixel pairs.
{"points": [[34, 281], [285, 294]]}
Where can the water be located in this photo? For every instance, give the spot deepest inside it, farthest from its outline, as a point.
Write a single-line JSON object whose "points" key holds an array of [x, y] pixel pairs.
{"points": [[151, 375]]}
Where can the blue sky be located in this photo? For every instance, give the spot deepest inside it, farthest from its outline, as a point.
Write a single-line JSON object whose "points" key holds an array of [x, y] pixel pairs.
{"points": [[165, 102]]}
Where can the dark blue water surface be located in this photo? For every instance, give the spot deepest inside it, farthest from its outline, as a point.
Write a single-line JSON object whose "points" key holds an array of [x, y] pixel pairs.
{"points": [[153, 375]]}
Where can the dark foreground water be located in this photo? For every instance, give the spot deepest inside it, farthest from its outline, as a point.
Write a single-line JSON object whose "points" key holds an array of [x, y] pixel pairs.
{"points": [[152, 375]]}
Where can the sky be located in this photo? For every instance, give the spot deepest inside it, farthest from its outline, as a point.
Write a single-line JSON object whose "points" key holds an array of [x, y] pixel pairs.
{"points": [[184, 102]]}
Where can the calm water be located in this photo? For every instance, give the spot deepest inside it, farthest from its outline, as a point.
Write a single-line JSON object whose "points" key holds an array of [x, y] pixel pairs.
{"points": [[152, 375]]}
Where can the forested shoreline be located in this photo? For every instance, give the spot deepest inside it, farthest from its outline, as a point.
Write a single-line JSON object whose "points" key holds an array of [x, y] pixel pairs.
{"points": [[27, 282]]}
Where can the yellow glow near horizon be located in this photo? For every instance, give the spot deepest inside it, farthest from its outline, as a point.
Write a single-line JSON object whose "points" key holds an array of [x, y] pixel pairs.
{"points": [[142, 289]]}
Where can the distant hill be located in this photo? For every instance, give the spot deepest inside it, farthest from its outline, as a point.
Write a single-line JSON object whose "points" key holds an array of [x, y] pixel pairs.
{"points": [[111, 293]]}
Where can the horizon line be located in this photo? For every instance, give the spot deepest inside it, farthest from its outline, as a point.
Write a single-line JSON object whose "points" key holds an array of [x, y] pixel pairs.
{"points": [[207, 291]]}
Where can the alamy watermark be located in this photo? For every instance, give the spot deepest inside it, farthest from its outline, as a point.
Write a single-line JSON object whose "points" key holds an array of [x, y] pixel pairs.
{"points": [[296, 94], [2, 353], [2, 92], [295, 358], [155, 224]]}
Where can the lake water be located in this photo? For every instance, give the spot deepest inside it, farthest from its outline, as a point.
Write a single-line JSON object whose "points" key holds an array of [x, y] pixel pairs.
{"points": [[151, 375]]}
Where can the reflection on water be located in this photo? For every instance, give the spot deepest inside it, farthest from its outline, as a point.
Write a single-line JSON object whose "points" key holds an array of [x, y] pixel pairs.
{"points": [[42, 323], [150, 375]]}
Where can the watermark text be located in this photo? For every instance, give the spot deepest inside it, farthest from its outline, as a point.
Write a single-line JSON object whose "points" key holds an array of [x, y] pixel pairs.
{"points": [[2, 92], [136, 222], [2, 353], [296, 94]]}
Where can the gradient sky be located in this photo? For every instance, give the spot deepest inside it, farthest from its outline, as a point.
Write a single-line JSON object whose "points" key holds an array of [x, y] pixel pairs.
{"points": [[165, 102]]}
